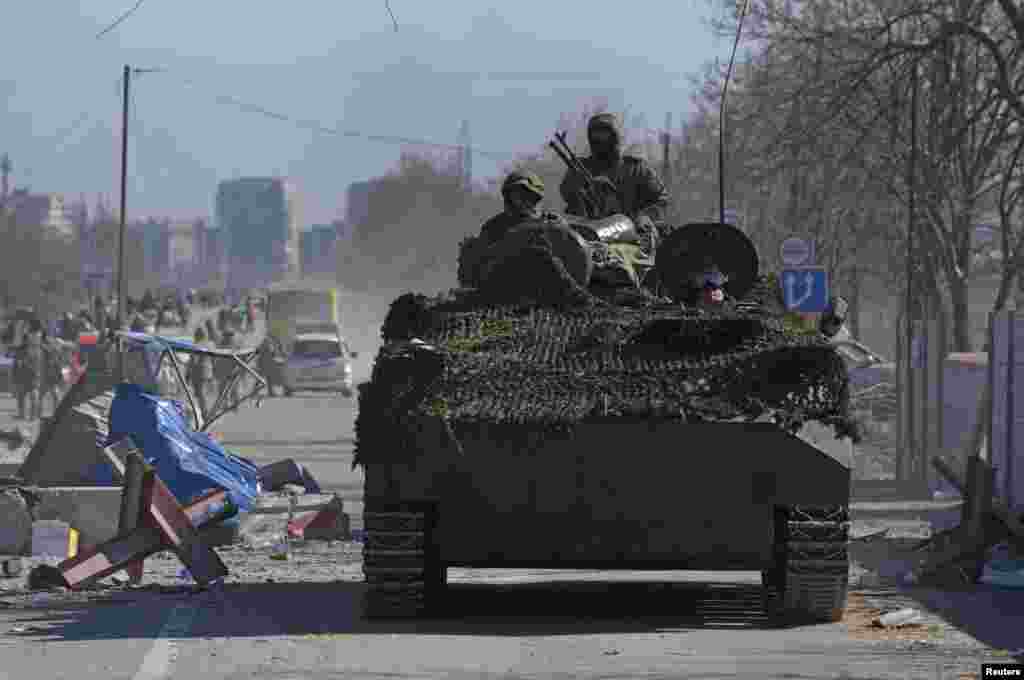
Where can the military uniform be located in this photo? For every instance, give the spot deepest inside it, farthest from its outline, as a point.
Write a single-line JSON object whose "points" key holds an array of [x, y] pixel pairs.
{"points": [[627, 185], [522, 193], [639, 192], [517, 211], [498, 226]]}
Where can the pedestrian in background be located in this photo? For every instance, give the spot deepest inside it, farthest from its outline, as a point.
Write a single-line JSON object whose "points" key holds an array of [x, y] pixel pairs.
{"points": [[271, 361], [227, 370], [250, 319], [30, 366], [52, 385], [199, 373]]}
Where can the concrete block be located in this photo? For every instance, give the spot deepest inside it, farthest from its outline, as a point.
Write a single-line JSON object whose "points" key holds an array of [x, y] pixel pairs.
{"points": [[93, 510], [276, 475], [220, 534], [329, 524], [15, 523]]}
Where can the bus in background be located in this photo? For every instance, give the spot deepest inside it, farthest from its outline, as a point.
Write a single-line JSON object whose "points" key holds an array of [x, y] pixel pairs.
{"points": [[289, 306]]}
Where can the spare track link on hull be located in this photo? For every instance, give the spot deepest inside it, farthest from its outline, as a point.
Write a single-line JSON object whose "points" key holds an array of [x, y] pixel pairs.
{"points": [[810, 579], [397, 562]]}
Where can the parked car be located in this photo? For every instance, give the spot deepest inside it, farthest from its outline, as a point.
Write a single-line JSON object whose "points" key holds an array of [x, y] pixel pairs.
{"points": [[319, 362]]}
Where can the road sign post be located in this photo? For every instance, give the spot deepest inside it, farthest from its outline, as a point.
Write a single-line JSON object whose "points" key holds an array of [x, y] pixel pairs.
{"points": [[805, 289]]}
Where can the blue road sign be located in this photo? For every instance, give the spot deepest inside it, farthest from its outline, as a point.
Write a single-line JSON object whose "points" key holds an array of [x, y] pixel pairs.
{"points": [[805, 289]]}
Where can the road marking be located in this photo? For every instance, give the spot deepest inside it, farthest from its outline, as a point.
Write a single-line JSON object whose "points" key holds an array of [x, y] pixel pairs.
{"points": [[159, 660]]}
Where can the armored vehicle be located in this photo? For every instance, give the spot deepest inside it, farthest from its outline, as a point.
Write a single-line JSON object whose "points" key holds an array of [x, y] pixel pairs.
{"points": [[534, 422]]}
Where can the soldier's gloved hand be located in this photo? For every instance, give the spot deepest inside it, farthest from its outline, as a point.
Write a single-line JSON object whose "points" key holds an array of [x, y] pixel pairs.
{"points": [[644, 224], [648, 231]]}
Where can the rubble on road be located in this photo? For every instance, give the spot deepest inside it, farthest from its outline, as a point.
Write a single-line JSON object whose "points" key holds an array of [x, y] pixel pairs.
{"points": [[898, 619]]}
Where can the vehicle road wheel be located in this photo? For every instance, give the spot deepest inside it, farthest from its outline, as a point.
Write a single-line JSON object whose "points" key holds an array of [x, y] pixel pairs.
{"points": [[401, 560], [812, 564]]}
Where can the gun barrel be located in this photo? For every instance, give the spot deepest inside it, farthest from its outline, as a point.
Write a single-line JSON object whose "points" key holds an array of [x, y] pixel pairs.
{"points": [[588, 190], [574, 159], [561, 154]]}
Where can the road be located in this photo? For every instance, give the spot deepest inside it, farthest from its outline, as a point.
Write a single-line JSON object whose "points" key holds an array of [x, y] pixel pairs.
{"points": [[500, 624]]}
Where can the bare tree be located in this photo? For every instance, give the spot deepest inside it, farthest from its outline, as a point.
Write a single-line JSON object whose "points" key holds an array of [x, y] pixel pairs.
{"points": [[867, 55]]}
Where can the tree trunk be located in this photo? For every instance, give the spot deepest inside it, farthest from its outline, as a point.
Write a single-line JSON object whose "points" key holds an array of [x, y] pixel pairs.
{"points": [[961, 315]]}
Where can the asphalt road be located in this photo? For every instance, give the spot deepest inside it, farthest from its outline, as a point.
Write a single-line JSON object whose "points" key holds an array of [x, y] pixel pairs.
{"points": [[500, 624]]}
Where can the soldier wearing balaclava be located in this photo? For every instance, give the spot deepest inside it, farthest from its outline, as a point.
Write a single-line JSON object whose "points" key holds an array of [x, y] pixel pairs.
{"points": [[638, 191]]}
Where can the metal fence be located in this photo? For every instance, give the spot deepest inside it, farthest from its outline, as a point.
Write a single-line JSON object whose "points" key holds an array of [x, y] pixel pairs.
{"points": [[902, 412]]}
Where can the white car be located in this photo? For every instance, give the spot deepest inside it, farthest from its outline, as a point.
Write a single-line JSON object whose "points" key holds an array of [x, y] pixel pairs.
{"points": [[319, 362]]}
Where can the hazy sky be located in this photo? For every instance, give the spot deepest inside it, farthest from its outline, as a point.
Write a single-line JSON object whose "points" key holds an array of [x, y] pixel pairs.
{"points": [[509, 68]]}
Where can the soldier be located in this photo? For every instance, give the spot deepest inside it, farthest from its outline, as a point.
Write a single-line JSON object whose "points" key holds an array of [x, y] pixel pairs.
{"points": [[522, 193], [638, 191]]}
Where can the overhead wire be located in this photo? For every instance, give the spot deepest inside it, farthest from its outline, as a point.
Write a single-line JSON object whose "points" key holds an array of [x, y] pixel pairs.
{"points": [[387, 4], [117, 22], [325, 129]]}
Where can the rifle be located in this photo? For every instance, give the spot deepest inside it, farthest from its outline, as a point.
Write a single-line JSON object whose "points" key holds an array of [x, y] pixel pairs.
{"points": [[588, 192]]}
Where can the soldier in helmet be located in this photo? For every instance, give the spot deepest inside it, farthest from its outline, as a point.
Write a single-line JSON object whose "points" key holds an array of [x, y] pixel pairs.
{"points": [[522, 193], [630, 183]]}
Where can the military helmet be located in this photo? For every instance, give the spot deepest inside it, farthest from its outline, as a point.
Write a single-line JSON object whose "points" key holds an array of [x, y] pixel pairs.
{"points": [[528, 180]]}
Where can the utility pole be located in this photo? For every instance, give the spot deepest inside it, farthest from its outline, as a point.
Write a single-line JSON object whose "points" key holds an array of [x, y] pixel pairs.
{"points": [[5, 174], [128, 71], [121, 230], [465, 156], [910, 446], [666, 142]]}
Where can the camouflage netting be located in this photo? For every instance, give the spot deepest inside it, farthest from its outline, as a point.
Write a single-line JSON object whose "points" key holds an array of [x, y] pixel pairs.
{"points": [[469, 360]]}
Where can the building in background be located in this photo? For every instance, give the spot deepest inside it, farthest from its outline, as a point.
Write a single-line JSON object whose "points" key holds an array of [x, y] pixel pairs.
{"points": [[343, 231], [181, 253], [209, 254], [153, 232], [259, 219], [318, 246], [357, 203], [42, 210]]}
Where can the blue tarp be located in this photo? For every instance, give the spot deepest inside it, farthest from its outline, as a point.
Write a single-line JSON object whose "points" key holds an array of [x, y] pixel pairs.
{"points": [[190, 463]]}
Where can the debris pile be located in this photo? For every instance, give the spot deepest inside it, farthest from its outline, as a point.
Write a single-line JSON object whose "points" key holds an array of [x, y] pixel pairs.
{"points": [[189, 495]]}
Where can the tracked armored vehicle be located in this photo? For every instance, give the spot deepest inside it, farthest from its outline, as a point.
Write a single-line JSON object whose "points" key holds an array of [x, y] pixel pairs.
{"points": [[618, 430]]}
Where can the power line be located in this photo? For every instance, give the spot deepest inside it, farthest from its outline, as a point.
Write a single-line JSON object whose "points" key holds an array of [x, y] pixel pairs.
{"points": [[118, 21], [320, 127], [387, 4]]}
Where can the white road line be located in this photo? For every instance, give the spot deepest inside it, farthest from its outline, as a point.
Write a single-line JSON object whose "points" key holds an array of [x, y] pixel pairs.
{"points": [[159, 661]]}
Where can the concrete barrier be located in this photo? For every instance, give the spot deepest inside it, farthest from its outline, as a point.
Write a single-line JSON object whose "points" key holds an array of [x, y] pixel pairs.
{"points": [[92, 510], [15, 523]]}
